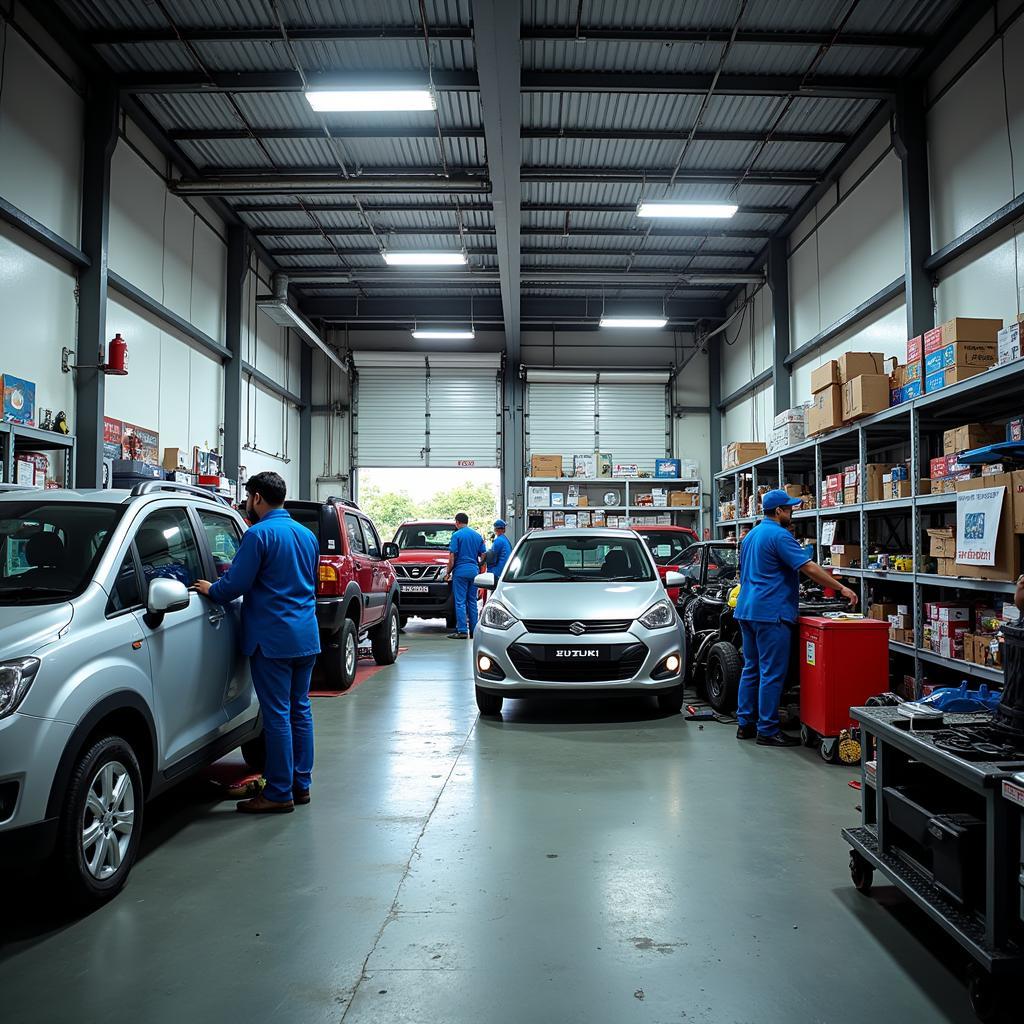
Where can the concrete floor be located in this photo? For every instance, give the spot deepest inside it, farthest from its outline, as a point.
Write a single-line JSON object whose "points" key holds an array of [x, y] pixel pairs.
{"points": [[572, 862]]}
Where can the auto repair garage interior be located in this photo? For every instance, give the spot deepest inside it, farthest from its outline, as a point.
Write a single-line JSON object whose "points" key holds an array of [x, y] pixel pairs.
{"points": [[651, 260]]}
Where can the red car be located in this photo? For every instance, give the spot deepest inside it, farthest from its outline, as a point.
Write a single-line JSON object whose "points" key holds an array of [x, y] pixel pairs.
{"points": [[422, 570], [357, 593], [667, 543]]}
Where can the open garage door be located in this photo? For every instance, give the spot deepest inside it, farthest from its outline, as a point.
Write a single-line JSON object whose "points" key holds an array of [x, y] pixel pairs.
{"points": [[439, 410], [580, 412]]}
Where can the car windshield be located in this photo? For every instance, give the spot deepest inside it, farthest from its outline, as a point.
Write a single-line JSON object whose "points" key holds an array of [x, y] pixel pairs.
{"points": [[555, 559], [425, 536], [49, 550], [723, 562], [666, 546]]}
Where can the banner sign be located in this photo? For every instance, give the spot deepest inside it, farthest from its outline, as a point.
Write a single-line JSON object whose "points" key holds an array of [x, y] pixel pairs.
{"points": [[977, 525]]}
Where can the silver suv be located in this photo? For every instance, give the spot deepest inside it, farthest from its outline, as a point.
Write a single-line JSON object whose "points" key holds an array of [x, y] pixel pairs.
{"points": [[116, 681]]}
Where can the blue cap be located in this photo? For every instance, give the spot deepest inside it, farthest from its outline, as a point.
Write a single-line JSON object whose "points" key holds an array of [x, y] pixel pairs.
{"points": [[778, 499], [499, 524]]}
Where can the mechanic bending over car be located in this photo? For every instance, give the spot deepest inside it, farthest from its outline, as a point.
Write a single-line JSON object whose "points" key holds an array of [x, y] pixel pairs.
{"points": [[275, 570], [771, 560], [466, 551]]}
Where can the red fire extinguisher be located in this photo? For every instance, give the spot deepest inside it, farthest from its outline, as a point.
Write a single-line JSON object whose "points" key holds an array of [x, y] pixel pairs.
{"points": [[117, 357]]}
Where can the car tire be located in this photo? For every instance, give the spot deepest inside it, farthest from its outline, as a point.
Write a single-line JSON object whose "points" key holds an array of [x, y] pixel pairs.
{"points": [[488, 704], [254, 753], [670, 702], [403, 621], [95, 851], [384, 639], [722, 677], [341, 657]]}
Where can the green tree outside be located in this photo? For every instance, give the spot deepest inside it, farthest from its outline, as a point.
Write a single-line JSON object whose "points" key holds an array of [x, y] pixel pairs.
{"points": [[389, 509]]}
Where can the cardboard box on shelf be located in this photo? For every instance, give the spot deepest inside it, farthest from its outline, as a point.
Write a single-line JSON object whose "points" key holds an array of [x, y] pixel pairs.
{"points": [[824, 376], [935, 381], [915, 348], [1008, 346], [667, 469], [1017, 498], [914, 370], [958, 374], [845, 556], [793, 490], [825, 411], [857, 364], [945, 630], [851, 495], [899, 489], [558, 518], [967, 328], [931, 340], [1015, 429], [945, 567], [942, 542], [1007, 555], [961, 353], [882, 610], [976, 435], [915, 389], [741, 452], [950, 648], [689, 469], [864, 395], [538, 497], [546, 465], [684, 499], [584, 466], [597, 518], [945, 612], [786, 435]]}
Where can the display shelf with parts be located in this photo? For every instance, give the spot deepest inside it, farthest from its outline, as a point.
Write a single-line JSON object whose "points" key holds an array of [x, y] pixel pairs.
{"points": [[17, 441], [909, 433], [618, 498]]}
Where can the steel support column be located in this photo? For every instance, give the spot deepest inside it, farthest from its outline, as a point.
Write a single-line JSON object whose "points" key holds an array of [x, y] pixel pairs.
{"points": [[238, 268], [305, 421], [911, 144], [715, 420], [778, 282], [101, 119]]}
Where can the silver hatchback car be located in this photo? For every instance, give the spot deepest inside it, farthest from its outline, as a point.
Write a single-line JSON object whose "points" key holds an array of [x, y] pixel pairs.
{"points": [[116, 681], [579, 611]]}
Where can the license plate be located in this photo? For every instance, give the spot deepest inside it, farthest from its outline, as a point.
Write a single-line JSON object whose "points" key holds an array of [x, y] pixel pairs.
{"points": [[577, 654], [414, 588]]}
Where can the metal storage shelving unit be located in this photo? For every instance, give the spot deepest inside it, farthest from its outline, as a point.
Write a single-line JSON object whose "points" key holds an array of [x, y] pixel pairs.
{"points": [[996, 394], [16, 438], [689, 515]]}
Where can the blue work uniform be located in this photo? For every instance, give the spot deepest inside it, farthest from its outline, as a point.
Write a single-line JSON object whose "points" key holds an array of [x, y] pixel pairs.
{"points": [[767, 608], [275, 570], [468, 547], [498, 554]]}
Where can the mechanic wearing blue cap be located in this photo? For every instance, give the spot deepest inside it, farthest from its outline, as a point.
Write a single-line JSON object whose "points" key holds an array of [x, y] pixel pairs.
{"points": [[767, 609], [500, 550]]}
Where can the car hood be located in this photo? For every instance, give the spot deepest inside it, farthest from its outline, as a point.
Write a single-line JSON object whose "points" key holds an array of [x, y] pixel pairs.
{"points": [[24, 628], [580, 600], [421, 557]]}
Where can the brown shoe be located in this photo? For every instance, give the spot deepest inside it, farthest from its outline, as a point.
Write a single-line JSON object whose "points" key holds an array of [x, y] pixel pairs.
{"points": [[261, 805], [300, 797], [245, 789]]}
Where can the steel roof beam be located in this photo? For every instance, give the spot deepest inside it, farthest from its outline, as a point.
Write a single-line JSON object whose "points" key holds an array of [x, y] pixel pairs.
{"points": [[291, 81], [683, 254], [231, 34], [337, 132], [267, 182], [574, 232], [704, 176], [571, 206], [296, 207], [898, 40]]}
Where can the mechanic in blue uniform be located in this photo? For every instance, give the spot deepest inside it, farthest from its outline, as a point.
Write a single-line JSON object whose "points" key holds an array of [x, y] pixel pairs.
{"points": [[466, 550], [275, 570], [771, 560], [500, 550]]}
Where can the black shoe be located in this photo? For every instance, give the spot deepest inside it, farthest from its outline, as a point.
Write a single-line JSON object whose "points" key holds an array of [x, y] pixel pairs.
{"points": [[780, 739], [746, 732], [458, 636], [471, 635]]}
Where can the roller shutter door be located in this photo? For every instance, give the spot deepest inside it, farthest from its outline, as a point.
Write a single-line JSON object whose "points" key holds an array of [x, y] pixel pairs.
{"points": [[561, 419], [391, 417], [465, 417], [632, 422]]}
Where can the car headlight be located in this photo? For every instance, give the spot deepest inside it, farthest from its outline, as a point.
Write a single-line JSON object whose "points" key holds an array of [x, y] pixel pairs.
{"points": [[15, 679], [659, 616], [442, 574], [497, 616]]}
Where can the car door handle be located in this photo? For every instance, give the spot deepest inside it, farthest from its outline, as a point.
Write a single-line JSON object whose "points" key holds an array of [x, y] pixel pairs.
{"points": [[216, 615]]}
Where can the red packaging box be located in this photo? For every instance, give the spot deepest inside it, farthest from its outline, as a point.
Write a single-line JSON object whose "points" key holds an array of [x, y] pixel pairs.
{"points": [[834, 482], [915, 348], [937, 468], [945, 630], [951, 648], [932, 340], [931, 609], [953, 613]]}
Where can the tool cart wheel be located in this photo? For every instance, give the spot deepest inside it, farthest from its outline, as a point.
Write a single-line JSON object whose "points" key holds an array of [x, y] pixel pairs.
{"points": [[861, 873], [984, 992], [829, 749], [808, 737]]}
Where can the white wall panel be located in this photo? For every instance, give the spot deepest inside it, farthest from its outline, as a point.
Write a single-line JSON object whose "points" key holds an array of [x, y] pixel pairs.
{"points": [[40, 140], [209, 271], [751, 348], [137, 198], [804, 299], [983, 283], [38, 313]]}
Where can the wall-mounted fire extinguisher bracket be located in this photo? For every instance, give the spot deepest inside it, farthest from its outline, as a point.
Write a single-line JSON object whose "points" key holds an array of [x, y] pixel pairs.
{"points": [[115, 366]]}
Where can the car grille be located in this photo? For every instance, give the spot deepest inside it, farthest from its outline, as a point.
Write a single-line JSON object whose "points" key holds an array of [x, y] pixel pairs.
{"points": [[562, 626], [417, 572], [625, 662]]}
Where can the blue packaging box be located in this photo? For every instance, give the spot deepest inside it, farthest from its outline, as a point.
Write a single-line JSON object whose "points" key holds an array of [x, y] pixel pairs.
{"points": [[19, 400], [667, 469], [911, 390], [895, 396], [935, 381], [935, 361]]}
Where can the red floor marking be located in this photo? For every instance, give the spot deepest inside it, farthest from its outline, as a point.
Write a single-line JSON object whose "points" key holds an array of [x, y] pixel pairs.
{"points": [[363, 672]]}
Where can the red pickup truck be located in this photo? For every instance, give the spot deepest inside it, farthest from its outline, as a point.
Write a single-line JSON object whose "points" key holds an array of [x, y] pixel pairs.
{"points": [[422, 569], [357, 592]]}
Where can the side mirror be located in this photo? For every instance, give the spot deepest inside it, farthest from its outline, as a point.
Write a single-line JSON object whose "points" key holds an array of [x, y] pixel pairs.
{"points": [[390, 551], [485, 581], [675, 579], [165, 596]]}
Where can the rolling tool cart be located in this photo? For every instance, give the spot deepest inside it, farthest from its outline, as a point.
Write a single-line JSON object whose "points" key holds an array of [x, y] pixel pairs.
{"points": [[942, 819]]}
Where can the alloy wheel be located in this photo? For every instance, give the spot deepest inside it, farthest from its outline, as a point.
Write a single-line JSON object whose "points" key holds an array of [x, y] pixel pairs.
{"points": [[394, 634], [108, 820], [350, 655]]}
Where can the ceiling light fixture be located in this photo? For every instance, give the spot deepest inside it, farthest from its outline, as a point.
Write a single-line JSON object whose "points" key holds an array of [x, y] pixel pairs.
{"points": [[443, 333], [633, 321], [424, 259], [695, 210], [369, 100]]}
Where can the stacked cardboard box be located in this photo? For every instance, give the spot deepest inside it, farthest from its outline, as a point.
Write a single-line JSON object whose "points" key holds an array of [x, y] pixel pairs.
{"points": [[845, 556], [789, 428], [958, 349], [546, 465], [739, 452], [971, 435], [1007, 552], [1008, 346], [945, 471], [864, 380], [832, 490]]}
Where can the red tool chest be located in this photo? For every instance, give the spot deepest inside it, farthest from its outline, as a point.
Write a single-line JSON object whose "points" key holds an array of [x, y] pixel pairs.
{"points": [[842, 663]]}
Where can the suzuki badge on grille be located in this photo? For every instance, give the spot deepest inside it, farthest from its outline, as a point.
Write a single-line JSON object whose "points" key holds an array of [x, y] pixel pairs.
{"points": [[577, 629]]}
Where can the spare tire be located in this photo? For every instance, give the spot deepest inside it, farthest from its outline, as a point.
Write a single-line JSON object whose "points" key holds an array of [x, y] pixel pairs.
{"points": [[722, 677]]}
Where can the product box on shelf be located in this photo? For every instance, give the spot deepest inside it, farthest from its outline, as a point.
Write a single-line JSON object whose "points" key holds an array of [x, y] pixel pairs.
{"points": [[857, 364], [971, 435], [689, 469], [962, 328], [942, 542], [597, 517], [584, 466], [961, 353], [825, 411], [845, 556], [915, 348], [604, 464], [951, 613], [1015, 429], [935, 381], [1007, 550], [549, 519], [864, 395], [546, 465], [914, 370], [911, 390], [786, 435], [958, 374], [794, 490], [950, 648], [740, 452], [19, 400], [824, 376], [537, 496], [684, 499], [794, 415], [625, 470], [1008, 344], [667, 469], [882, 610], [851, 495]]}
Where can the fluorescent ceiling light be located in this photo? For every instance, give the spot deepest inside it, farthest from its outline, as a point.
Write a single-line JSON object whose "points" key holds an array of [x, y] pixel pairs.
{"points": [[359, 100], [448, 333], [686, 209], [424, 259], [633, 321]]}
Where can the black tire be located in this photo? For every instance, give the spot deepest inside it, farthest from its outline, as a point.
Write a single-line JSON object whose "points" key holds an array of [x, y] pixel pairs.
{"points": [[384, 639], [670, 702], [403, 621], [862, 874], [90, 888], [254, 753], [722, 677], [985, 993], [339, 660], [488, 704]]}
